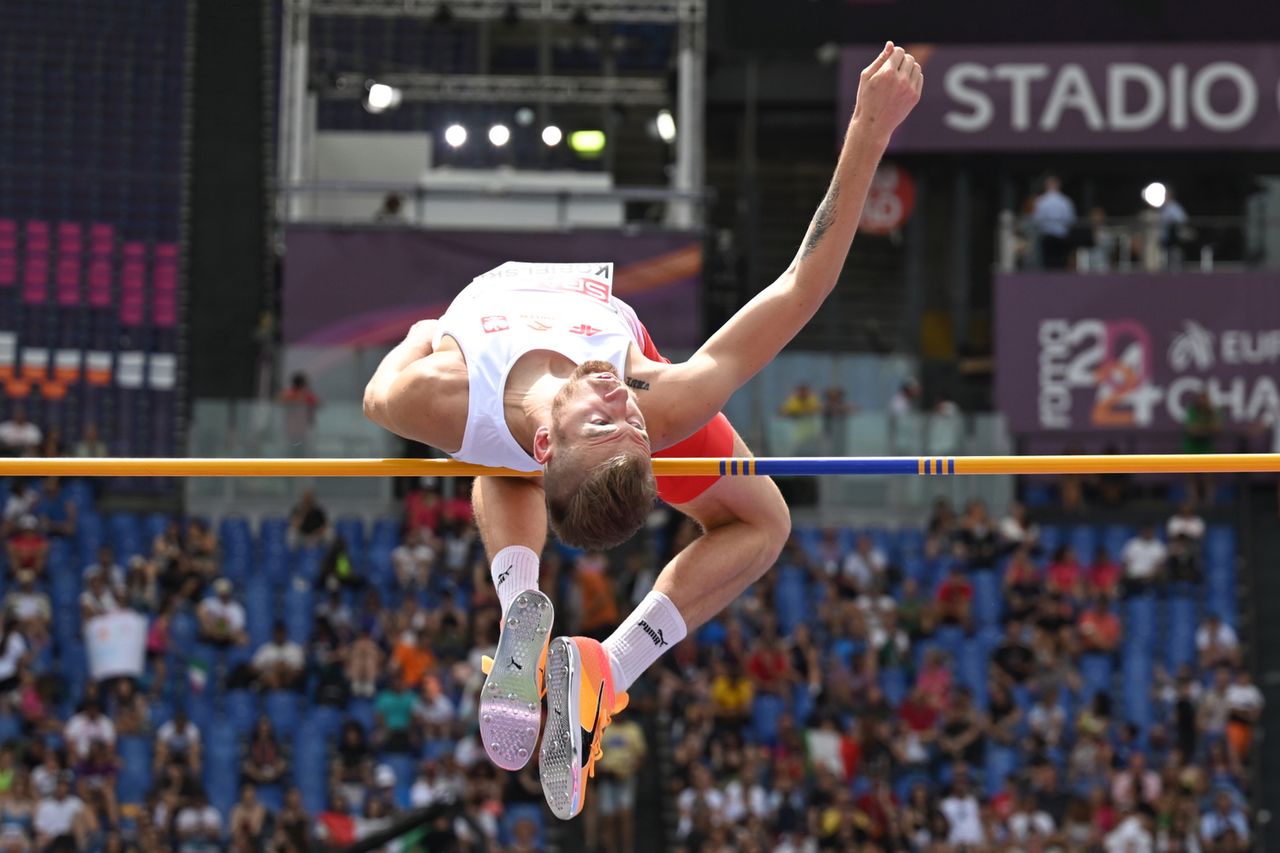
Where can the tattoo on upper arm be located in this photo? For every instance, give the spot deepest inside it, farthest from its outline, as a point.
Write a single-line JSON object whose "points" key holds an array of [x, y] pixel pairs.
{"points": [[638, 384], [823, 218]]}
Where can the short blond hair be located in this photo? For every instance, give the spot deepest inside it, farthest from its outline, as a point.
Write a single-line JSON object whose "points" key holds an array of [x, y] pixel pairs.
{"points": [[602, 507]]}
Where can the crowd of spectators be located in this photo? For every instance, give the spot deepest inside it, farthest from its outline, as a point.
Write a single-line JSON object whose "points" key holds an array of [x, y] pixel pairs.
{"points": [[850, 726], [857, 725]]}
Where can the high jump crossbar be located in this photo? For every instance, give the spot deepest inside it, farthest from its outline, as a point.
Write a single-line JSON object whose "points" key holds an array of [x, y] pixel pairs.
{"points": [[1172, 463]]}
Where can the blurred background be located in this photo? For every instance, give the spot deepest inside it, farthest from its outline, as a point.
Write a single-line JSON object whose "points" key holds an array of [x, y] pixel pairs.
{"points": [[215, 218]]}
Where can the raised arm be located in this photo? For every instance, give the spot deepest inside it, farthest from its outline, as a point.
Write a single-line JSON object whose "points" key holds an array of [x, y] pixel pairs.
{"points": [[888, 89]]}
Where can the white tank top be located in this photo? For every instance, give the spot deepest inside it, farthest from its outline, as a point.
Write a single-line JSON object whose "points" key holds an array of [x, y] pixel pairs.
{"points": [[515, 309]]}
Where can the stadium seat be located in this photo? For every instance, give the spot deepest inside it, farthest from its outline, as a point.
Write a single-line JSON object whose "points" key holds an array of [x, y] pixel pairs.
{"points": [[281, 707], [242, 709], [986, 597], [766, 712], [1180, 639], [1095, 675], [135, 772]]}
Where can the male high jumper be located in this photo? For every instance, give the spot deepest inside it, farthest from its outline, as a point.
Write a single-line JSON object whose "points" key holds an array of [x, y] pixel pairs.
{"points": [[538, 367]]}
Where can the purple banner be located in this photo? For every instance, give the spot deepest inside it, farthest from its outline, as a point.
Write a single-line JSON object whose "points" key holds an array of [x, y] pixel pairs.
{"points": [[1086, 97], [365, 287], [1106, 352]]}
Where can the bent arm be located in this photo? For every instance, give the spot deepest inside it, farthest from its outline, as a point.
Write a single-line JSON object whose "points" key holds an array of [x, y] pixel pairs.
{"points": [[411, 394], [380, 393], [754, 336]]}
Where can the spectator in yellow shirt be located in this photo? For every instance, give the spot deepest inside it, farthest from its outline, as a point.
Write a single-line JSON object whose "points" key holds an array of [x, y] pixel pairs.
{"points": [[802, 403]]}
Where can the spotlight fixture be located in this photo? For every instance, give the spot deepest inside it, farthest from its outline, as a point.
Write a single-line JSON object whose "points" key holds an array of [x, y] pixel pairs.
{"points": [[587, 142], [1155, 193], [499, 135], [525, 116], [551, 136], [665, 124], [379, 97], [455, 135]]}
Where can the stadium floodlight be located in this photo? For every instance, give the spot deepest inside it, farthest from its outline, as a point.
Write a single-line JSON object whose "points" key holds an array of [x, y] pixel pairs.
{"points": [[1155, 193], [551, 136], [499, 135], [455, 135], [589, 142], [525, 116], [665, 124], [379, 97]]}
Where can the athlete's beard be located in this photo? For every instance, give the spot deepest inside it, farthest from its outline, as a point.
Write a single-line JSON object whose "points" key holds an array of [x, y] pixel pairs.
{"points": [[571, 385]]}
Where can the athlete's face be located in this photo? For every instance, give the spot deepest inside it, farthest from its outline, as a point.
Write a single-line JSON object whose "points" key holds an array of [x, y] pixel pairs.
{"points": [[597, 416]]}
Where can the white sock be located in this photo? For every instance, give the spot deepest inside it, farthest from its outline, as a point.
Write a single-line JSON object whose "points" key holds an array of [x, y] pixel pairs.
{"points": [[514, 569], [647, 634]]}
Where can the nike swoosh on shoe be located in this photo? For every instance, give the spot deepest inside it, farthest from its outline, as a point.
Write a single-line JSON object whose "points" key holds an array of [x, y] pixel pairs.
{"points": [[590, 739]]}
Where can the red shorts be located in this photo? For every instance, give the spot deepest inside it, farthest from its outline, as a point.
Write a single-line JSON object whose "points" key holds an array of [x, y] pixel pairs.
{"points": [[712, 441]]}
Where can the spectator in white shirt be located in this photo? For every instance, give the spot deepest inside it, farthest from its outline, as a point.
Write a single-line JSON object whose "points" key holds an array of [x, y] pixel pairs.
{"points": [[107, 564], [1137, 784], [63, 814], [1217, 643], [964, 815], [413, 559], [279, 663], [430, 787], [29, 606], [1131, 835], [199, 827], [1016, 529], [86, 727], [1053, 215], [1027, 822], [863, 565], [22, 501], [907, 398], [19, 436], [1143, 558], [1185, 522], [1173, 229], [1225, 817], [700, 797], [222, 618], [97, 598], [178, 742]]}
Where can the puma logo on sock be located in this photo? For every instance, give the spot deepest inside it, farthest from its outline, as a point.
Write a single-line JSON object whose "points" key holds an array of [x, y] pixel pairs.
{"points": [[502, 578], [654, 634], [516, 665]]}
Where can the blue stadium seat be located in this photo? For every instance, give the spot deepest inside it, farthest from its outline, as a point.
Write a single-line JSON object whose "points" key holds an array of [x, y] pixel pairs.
{"points": [[406, 770], [1083, 540], [1001, 761], [1137, 672], [135, 775], [1051, 538], [281, 707], [894, 684], [311, 770], [1180, 639], [299, 612], [242, 709], [351, 529], [986, 597], [766, 712], [1114, 538], [1095, 675]]}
